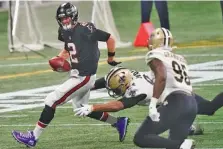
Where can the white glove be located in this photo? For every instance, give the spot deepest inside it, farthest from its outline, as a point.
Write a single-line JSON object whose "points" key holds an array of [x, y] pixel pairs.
{"points": [[83, 111], [153, 113]]}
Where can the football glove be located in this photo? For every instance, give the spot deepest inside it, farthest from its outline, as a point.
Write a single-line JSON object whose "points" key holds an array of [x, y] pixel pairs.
{"points": [[84, 110], [153, 113], [113, 63]]}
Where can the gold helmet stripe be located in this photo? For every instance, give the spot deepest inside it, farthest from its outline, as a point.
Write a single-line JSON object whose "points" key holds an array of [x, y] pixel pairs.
{"points": [[168, 32], [166, 37]]}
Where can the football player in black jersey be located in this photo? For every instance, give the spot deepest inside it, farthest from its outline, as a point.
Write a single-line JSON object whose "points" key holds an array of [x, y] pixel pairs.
{"points": [[81, 47]]}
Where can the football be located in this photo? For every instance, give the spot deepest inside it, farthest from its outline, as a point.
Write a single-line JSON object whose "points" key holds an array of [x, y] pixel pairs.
{"points": [[59, 64]]}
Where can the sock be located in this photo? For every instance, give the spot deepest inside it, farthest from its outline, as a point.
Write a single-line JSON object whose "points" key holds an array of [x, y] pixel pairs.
{"points": [[45, 118], [111, 119], [38, 129], [104, 117]]}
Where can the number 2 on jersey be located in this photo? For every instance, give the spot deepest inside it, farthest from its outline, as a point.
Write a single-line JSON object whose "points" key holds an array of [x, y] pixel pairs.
{"points": [[181, 73], [73, 53]]}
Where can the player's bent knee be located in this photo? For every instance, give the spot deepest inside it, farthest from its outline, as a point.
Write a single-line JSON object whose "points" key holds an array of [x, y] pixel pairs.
{"points": [[137, 140], [142, 140]]}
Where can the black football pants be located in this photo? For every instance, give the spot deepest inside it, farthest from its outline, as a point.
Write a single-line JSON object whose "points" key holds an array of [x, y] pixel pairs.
{"points": [[206, 107], [177, 116]]}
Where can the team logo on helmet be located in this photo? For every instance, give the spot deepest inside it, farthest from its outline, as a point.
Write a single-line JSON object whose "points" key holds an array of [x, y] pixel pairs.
{"points": [[117, 81]]}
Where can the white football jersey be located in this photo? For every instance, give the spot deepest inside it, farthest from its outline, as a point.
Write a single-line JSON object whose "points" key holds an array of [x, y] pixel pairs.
{"points": [[176, 70], [142, 83]]}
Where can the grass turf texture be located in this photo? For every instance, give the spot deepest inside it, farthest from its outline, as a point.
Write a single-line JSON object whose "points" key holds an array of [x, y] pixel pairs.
{"points": [[190, 22]]}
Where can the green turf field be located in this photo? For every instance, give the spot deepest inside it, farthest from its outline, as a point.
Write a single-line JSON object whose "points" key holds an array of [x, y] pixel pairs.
{"points": [[197, 28]]}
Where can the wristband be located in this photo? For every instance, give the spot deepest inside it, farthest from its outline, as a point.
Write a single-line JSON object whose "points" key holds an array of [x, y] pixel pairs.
{"points": [[110, 54], [153, 100]]}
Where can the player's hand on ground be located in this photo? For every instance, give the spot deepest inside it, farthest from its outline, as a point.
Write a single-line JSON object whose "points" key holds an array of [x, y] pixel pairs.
{"points": [[112, 62], [153, 113], [83, 111]]}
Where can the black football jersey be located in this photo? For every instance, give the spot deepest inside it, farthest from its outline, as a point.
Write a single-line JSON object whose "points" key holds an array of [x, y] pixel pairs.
{"points": [[83, 48]]}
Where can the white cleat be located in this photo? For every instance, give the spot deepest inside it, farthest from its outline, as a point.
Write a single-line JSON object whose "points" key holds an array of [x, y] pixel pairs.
{"points": [[188, 144]]}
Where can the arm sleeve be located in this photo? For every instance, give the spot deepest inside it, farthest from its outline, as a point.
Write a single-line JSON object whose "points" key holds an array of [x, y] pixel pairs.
{"points": [[130, 102], [95, 34], [100, 35], [99, 83]]}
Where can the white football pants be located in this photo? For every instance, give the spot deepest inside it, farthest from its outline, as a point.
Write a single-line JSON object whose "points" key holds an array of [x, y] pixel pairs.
{"points": [[76, 88]]}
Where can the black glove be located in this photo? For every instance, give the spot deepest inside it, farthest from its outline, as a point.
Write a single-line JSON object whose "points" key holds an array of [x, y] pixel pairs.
{"points": [[113, 63]]}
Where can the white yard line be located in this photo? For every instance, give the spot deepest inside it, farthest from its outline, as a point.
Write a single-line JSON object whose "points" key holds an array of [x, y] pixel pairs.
{"points": [[103, 59], [23, 64], [12, 116]]}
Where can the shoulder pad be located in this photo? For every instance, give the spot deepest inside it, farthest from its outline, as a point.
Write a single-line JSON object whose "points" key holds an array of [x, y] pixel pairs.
{"points": [[89, 26], [153, 54]]}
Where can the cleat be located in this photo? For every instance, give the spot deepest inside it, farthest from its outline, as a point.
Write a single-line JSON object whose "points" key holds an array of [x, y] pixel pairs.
{"points": [[196, 130], [122, 125], [27, 139]]}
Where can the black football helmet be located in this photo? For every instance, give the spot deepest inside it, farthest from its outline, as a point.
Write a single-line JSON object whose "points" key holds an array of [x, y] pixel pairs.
{"points": [[67, 15]]}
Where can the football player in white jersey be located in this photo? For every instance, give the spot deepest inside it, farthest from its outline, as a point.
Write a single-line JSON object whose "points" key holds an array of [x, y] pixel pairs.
{"points": [[205, 106], [178, 109], [134, 88], [144, 80], [172, 88]]}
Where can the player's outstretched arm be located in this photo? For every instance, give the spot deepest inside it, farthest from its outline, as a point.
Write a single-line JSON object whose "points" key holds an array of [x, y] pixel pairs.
{"points": [[118, 105], [112, 106]]}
